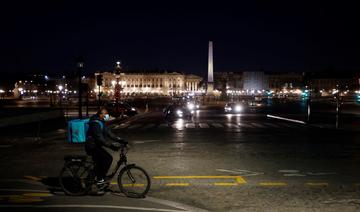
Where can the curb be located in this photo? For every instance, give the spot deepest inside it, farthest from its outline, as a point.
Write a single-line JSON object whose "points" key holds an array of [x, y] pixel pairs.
{"points": [[175, 204], [317, 126]]}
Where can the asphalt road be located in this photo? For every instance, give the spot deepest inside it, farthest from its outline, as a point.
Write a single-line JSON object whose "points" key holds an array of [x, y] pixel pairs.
{"points": [[214, 161]]}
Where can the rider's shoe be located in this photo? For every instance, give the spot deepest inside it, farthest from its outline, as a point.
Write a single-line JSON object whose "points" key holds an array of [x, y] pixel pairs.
{"points": [[102, 185], [101, 182]]}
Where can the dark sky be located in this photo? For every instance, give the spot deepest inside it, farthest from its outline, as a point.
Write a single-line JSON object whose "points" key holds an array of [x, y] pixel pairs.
{"points": [[44, 36]]}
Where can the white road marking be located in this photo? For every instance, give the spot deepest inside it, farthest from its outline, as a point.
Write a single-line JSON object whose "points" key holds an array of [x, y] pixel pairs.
{"points": [[144, 141], [285, 119], [320, 173], [203, 125], [90, 206], [289, 171], [294, 175], [190, 125], [217, 125], [257, 125], [175, 204], [231, 125], [178, 126], [271, 125], [343, 201], [244, 125], [245, 173]]}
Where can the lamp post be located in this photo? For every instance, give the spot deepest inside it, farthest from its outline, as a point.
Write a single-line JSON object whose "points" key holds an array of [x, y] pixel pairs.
{"points": [[309, 106], [60, 87], [117, 88], [338, 104], [117, 82], [80, 66]]}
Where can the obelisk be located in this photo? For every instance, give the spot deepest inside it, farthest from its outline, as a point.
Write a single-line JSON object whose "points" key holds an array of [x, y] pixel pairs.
{"points": [[210, 81]]}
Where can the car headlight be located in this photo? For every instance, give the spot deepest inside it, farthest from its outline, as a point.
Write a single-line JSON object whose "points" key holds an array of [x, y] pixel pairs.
{"points": [[179, 113], [197, 106], [228, 108], [133, 109], [238, 108], [191, 106]]}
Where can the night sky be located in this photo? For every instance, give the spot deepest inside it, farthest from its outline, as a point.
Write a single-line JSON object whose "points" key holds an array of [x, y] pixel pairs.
{"points": [[284, 36]]}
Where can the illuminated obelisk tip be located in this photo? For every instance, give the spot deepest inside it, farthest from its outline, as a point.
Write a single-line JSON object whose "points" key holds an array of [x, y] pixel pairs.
{"points": [[210, 81]]}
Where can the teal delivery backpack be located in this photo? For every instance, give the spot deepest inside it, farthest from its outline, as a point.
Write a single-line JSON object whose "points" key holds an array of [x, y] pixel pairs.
{"points": [[77, 130]]}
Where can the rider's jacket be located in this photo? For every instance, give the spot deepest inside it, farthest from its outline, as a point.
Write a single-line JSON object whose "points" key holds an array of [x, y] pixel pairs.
{"points": [[98, 134]]}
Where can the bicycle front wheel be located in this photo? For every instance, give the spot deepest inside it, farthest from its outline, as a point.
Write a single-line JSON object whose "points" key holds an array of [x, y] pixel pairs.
{"points": [[134, 182]]}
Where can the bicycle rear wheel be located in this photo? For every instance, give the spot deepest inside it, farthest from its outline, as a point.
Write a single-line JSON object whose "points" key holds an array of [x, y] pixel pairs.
{"points": [[133, 181], [75, 179]]}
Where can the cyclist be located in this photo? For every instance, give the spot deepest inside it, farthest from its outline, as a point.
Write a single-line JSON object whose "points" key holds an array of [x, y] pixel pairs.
{"points": [[99, 140]]}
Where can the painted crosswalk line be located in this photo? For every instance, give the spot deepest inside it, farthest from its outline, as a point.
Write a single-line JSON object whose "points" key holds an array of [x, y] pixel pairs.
{"points": [[203, 125], [231, 125], [182, 125], [244, 125], [217, 125], [257, 125]]}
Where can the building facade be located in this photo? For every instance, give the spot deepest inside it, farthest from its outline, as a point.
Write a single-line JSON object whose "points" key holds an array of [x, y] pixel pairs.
{"points": [[164, 83], [280, 81]]}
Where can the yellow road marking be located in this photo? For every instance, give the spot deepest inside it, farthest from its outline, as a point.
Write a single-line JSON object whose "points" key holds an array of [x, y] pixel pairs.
{"points": [[317, 184], [33, 178], [20, 199], [177, 184], [225, 184], [239, 179], [133, 185], [37, 195], [9, 196], [25, 200], [114, 183], [272, 184]]}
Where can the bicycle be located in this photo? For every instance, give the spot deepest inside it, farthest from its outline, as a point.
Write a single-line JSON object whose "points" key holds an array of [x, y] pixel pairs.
{"points": [[77, 177]]}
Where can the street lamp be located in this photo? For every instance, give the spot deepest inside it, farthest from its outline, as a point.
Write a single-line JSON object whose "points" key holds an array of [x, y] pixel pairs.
{"points": [[60, 87]]}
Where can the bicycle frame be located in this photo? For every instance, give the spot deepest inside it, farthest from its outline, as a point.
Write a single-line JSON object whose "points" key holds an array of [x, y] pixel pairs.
{"points": [[119, 158]]}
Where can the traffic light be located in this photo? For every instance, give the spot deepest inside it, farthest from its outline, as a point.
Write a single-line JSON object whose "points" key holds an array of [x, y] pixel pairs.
{"points": [[305, 95], [99, 80]]}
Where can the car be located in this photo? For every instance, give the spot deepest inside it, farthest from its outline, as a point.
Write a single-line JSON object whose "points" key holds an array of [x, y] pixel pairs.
{"points": [[233, 107], [120, 109], [191, 105], [177, 111]]}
